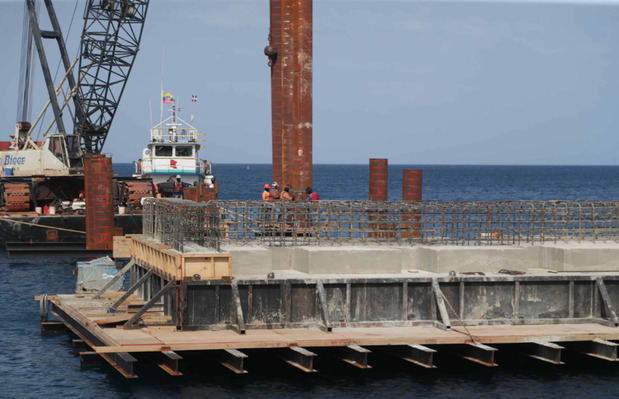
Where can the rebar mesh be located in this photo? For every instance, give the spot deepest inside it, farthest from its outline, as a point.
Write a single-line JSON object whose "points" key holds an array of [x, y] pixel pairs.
{"points": [[216, 223]]}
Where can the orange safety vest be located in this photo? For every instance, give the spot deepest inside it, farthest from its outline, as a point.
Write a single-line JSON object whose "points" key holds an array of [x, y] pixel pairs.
{"points": [[286, 196], [266, 196]]}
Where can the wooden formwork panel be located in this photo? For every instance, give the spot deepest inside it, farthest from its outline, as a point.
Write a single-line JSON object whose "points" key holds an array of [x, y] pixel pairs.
{"points": [[157, 255], [121, 247], [207, 267], [180, 266]]}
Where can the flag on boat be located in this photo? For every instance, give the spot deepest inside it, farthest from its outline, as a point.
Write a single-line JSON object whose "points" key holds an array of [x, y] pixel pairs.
{"points": [[194, 98], [167, 97]]}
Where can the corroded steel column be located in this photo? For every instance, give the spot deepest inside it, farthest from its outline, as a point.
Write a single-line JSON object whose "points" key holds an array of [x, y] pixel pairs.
{"points": [[412, 180], [379, 175], [290, 58], [99, 202], [271, 51]]}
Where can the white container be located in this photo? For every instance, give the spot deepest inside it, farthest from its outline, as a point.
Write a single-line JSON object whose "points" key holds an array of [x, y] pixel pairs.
{"points": [[52, 210], [121, 210], [38, 210]]}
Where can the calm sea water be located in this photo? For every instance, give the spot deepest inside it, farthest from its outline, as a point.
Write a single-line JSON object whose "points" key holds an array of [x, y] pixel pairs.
{"points": [[37, 365], [440, 182]]}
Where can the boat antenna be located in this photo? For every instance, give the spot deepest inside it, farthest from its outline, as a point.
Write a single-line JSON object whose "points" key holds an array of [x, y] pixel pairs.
{"points": [[161, 94], [150, 111]]}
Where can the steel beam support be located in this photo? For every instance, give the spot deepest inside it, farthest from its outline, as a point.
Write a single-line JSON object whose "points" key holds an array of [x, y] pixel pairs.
{"points": [[606, 301], [90, 358], [49, 83], [322, 302], [130, 291], [133, 321], [43, 308], [238, 309], [169, 362], [122, 361], [477, 353], [79, 345], [548, 352], [114, 279], [356, 355], [233, 360], [598, 348], [419, 355], [300, 358], [440, 303], [62, 46], [53, 326]]}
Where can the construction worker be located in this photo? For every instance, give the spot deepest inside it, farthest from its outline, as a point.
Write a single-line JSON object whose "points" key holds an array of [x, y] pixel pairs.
{"points": [[286, 196], [266, 208], [178, 187], [275, 194], [266, 194], [311, 195]]}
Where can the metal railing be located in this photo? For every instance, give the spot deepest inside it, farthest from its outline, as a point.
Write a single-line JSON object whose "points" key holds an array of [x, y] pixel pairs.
{"points": [[217, 223]]}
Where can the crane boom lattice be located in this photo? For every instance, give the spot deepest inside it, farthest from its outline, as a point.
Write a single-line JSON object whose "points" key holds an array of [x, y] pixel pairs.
{"points": [[110, 42]]}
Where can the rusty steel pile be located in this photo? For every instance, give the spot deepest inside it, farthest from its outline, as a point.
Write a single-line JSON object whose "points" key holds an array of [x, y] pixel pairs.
{"points": [[178, 222]]}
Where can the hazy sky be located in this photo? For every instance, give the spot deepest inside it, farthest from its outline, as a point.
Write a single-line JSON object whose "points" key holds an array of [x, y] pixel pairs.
{"points": [[432, 82]]}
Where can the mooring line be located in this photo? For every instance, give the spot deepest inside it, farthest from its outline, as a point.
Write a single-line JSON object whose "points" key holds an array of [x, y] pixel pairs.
{"points": [[466, 330], [41, 225]]}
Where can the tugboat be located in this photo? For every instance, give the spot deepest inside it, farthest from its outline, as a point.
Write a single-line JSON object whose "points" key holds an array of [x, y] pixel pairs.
{"points": [[171, 157]]}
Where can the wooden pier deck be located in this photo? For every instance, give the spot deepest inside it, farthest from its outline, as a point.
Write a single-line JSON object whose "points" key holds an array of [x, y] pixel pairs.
{"points": [[103, 335]]}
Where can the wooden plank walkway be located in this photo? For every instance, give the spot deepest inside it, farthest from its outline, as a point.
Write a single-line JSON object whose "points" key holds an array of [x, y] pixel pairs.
{"points": [[91, 314]]}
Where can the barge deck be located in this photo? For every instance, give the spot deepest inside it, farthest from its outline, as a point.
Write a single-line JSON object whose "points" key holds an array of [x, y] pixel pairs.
{"points": [[308, 297]]}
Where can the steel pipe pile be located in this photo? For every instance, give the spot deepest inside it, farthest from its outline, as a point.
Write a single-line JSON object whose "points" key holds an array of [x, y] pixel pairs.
{"points": [[179, 222]]}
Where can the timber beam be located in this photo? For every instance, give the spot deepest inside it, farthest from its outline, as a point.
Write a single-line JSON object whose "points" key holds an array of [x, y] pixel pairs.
{"points": [[300, 358], [233, 360]]}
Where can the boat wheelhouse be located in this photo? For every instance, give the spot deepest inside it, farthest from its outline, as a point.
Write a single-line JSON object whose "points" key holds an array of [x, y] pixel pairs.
{"points": [[173, 151]]}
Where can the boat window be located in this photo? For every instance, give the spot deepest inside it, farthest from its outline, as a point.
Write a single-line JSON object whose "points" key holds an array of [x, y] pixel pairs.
{"points": [[163, 151], [184, 151]]}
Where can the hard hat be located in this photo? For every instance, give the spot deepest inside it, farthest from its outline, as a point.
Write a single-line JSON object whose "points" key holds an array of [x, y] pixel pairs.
{"points": [[178, 176], [275, 184], [267, 186]]}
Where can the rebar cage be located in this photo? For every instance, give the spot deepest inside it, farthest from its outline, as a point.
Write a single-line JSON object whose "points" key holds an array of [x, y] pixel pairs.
{"points": [[274, 223]]}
